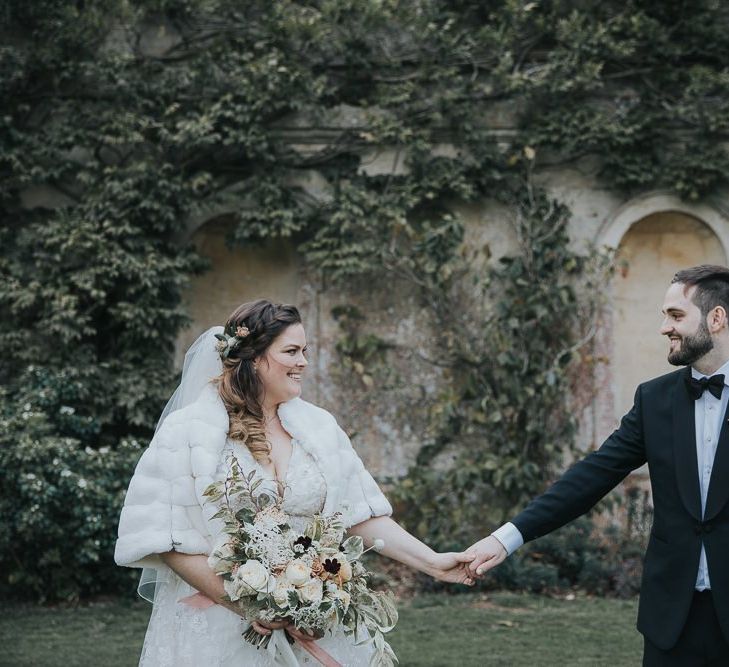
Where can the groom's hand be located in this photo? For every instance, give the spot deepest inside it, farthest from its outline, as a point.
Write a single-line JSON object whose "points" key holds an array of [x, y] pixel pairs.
{"points": [[451, 567], [489, 552]]}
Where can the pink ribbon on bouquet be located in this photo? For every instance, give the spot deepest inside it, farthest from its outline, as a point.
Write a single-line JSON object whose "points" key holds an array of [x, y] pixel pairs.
{"points": [[200, 601]]}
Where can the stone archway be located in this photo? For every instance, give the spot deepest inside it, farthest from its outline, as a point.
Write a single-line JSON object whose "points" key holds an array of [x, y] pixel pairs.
{"points": [[237, 274], [649, 254], [614, 228]]}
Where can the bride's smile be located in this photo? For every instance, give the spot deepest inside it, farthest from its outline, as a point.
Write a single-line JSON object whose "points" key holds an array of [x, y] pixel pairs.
{"points": [[282, 367]]}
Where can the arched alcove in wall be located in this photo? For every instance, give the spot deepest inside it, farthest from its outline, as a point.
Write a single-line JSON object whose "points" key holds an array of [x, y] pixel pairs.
{"points": [[236, 275], [649, 254]]}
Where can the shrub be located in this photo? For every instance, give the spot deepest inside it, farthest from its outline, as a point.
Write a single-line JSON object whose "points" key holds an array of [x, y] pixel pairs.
{"points": [[575, 556], [60, 505]]}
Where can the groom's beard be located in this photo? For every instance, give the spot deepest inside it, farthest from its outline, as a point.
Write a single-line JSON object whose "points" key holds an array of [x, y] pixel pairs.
{"points": [[692, 347]]}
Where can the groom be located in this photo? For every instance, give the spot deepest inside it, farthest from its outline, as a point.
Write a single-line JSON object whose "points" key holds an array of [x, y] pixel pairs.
{"points": [[679, 426]]}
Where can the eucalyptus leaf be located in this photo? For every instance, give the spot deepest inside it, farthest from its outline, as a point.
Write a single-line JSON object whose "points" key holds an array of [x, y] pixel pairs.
{"points": [[353, 547]]}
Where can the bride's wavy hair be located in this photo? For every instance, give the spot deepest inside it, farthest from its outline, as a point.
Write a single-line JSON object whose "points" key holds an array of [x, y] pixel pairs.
{"points": [[238, 384]]}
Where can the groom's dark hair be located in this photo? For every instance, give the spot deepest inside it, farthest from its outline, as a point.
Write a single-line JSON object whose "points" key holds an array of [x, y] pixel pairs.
{"points": [[712, 286]]}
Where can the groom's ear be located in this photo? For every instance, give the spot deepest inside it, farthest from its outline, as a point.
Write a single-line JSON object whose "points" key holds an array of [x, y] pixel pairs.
{"points": [[716, 319]]}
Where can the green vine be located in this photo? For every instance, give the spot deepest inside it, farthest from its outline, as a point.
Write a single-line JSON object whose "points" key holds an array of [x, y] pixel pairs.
{"points": [[362, 353], [514, 346], [123, 120]]}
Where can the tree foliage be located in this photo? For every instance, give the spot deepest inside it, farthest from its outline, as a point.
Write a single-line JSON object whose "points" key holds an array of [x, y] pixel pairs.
{"points": [[124, 120]]}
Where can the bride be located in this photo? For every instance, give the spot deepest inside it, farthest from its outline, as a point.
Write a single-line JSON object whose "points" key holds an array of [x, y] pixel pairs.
{"points": [[240, 396]]}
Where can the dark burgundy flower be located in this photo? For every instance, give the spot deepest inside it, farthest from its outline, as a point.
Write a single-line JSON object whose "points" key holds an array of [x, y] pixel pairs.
{"points": [[332, 565], [304, 541]]}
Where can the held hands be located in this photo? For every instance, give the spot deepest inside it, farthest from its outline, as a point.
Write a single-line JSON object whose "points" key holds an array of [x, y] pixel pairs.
{"points": [[451, 567], [466, 567], [267, 628], [487, 554]]}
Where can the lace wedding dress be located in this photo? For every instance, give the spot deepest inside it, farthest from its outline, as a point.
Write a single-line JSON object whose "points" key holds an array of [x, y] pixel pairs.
{"points": [[182, 636]]}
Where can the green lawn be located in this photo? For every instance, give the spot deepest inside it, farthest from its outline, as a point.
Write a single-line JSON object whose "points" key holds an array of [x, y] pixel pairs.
{"points": [[464, 631]]}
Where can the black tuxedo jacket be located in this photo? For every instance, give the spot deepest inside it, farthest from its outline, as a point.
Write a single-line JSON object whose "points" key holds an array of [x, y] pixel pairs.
{"points": [[659, 430]]}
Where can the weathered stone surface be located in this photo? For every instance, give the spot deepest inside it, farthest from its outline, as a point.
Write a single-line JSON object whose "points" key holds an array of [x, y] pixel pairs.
{"points": [[388, 420], [657, 234]]}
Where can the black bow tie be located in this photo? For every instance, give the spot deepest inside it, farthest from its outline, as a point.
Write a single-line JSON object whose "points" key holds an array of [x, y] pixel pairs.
{"points": [[696, 387]]}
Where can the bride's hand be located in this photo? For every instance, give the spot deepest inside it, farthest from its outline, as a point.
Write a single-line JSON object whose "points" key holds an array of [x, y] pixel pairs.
{"points": [[452, 567], [267, 628], [298, 634]]}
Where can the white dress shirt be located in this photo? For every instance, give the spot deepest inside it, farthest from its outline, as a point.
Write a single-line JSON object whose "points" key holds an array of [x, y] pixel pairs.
{"points": [[708, 413]]}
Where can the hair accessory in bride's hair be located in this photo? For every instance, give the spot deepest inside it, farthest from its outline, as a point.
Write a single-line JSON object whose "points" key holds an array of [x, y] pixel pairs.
{"points": [[229, 343]]}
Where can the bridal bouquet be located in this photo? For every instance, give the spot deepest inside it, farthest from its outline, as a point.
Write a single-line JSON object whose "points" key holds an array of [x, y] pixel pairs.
{"points": [[312, 578]]}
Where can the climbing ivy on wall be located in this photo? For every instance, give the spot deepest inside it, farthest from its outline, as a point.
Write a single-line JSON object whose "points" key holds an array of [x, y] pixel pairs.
{"points": [[121, 120]]}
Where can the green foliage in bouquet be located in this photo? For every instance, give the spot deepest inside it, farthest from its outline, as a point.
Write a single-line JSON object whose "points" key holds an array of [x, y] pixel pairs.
{"points": [[124, 122], [312, 578]]}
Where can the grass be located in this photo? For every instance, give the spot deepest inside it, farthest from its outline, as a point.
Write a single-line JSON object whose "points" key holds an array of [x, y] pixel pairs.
{"points": [[434, 631], [511, 629]]}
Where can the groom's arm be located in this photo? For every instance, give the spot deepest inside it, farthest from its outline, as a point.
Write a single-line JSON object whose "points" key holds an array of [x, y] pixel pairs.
{"points": [[579, 489]]}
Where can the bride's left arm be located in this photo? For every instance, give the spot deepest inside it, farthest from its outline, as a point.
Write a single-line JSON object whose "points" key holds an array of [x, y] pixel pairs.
{"points": [[363, 498], [405, 548]]}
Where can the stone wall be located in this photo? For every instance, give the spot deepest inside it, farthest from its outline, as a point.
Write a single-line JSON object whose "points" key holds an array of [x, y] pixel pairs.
{"points": [[388, 420], [388, 431], [656, 235]]}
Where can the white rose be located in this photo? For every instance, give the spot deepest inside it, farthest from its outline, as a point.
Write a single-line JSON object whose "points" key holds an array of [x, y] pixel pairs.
{"points": [[345, 569], [217, 561], [232, 589], [225, 550], [254, 575], [312, 591], [281, 592], [298, 573]]}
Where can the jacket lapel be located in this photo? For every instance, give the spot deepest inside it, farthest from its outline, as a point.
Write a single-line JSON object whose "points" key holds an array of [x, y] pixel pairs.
{"points": [[684, 447], [718, 493]]}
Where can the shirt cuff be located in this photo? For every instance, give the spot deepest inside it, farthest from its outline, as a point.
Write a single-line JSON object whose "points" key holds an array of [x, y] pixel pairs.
{"points": [[509, 536]]}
